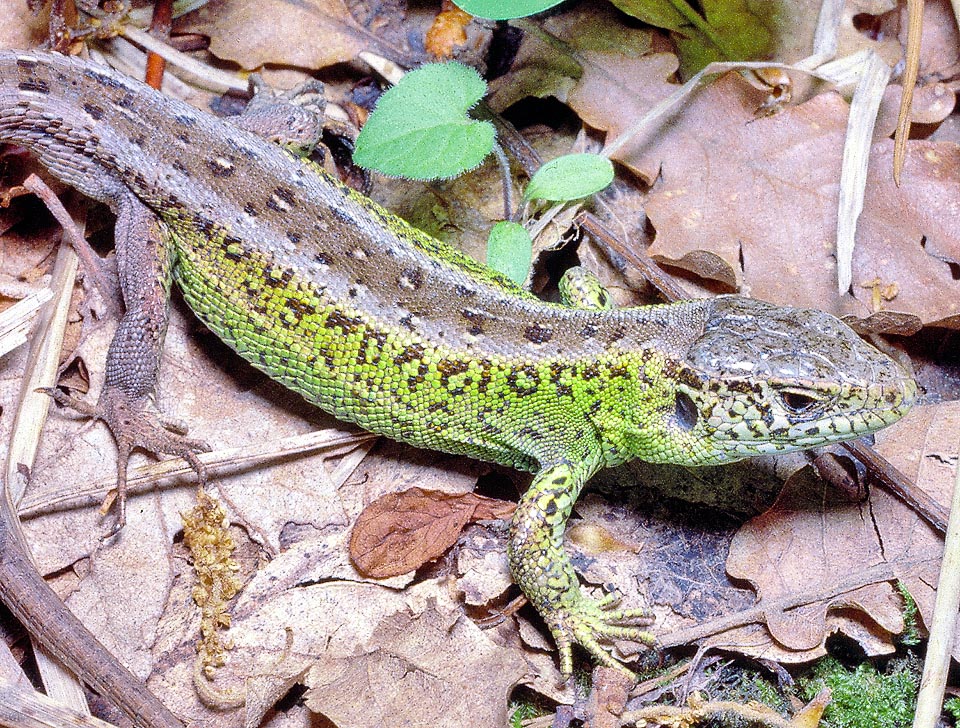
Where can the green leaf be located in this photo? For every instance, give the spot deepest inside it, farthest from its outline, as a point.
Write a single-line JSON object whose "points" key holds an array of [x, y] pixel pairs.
{"points": [[505, 9], [659, 13], [570, 178], [727, 30], [420, 128], [510, 251]]}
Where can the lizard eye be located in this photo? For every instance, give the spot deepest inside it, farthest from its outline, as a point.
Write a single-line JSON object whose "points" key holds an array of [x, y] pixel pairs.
{"points": [[686, 411], [797, 402]]}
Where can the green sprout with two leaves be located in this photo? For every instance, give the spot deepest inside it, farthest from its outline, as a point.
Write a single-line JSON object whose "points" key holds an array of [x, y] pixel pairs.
{"points": [[420, 130]]}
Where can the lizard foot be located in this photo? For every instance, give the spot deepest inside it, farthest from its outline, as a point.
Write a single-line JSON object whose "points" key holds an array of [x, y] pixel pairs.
{"points": [[133, 426], [585, 621]]}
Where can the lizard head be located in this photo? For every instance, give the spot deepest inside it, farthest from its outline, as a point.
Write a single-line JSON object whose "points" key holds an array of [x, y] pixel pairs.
{"points": [[763, 379], [742, 378]]}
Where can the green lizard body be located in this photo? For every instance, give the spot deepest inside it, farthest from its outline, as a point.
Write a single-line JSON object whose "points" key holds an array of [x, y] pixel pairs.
{"points": [[384, 326]]}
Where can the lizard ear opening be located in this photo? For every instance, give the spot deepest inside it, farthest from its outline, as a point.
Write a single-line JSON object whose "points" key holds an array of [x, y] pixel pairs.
{"points": [[686, 411]]}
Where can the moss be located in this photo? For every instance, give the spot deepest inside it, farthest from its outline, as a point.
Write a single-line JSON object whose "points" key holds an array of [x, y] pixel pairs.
{"points": [[911, 622], [864, 697], [952, 708], [523, 710]]}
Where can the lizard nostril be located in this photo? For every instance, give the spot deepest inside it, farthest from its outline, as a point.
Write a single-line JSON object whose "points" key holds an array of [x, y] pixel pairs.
{"points": [[686, 411]]}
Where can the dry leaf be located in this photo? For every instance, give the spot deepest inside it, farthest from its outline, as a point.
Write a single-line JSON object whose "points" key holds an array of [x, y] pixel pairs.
{"points": [[310, 34], [812, 539], [400, 532]]}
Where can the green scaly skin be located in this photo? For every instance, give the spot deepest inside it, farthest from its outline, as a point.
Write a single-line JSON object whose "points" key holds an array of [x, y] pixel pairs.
{"points": [[384, 326]]}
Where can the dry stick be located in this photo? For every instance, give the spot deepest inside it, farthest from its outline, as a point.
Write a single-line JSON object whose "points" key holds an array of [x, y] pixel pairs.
{"points": [[29, 416], [909, 79], [332, 443], [899, 485], [159, 28], [942, 628], [26, 708]]}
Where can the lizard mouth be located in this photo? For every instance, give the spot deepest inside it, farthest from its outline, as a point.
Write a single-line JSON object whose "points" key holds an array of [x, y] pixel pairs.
{"points": [[794, 419]]}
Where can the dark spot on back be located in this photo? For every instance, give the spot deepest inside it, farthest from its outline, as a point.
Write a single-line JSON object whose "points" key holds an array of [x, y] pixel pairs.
{"points": [[537, 334], [286, 195], [39, 87], [338, 319], [127, 100], [103, 79], [476, 319], [590, 371], [185, 120], [411, 353], [217, 169], [95, 111], [411, 279], [464, 291]]}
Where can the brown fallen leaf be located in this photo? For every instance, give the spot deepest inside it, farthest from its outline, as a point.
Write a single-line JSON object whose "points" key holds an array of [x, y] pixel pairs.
{"points": [[760, 195], [400, 532], [823, 563], [287, 33], [812, 537]]}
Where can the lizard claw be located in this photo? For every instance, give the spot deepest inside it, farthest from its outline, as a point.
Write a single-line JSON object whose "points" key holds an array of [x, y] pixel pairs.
{"points": [[133, 426], [585, 621]]}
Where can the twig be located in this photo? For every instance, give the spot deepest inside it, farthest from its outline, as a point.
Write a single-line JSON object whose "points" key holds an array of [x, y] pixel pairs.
{"points": [[943, 625]]}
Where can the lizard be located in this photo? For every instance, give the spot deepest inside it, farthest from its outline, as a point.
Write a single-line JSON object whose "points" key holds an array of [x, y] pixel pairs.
{"points": [[384, 326]]}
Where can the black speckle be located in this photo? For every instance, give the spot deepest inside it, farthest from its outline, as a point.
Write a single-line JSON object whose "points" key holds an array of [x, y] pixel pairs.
{"points": [[476, 319], [538, 334], [178, 165], [591, 371], [250, 210], [103, 79], [95, 111], [220, 168], [411, 279], [286, 195], [185, 120], [39, 87], [127, 101], [293, 237], [464, 291]]}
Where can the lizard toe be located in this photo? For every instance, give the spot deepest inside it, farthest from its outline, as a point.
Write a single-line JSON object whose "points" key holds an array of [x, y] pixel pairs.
{"points": [[587, 621]]}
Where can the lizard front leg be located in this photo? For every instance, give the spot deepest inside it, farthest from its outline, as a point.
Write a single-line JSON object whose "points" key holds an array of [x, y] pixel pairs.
{"points": [[144, 263], [543, 570]]}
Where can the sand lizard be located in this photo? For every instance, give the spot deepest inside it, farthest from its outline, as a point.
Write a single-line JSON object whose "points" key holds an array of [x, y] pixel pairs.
{"points": [[384, 326]]}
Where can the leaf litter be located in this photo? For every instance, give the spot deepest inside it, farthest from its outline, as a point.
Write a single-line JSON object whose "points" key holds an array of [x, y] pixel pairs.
{"points": [[746, 203]]}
